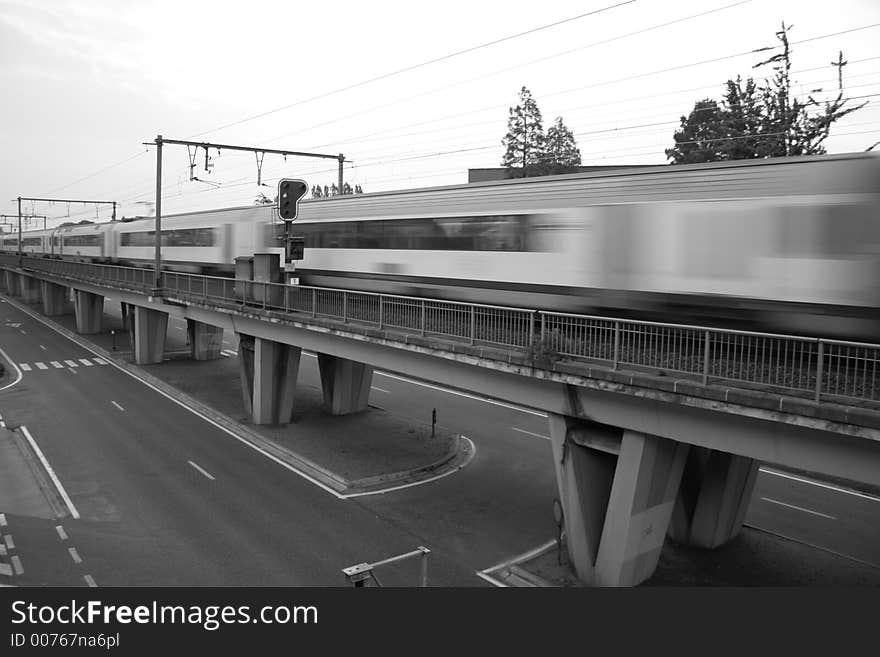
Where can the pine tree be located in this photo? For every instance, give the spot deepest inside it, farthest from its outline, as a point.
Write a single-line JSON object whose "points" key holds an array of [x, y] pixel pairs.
{"points": [[562, 153], [700, 136], [524, 141]]}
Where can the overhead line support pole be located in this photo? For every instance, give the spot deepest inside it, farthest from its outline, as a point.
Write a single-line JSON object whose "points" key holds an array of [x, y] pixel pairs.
{"points": [[19, 232], [158, 281]]}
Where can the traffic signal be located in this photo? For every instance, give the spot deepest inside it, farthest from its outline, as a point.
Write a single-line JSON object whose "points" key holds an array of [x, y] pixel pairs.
{"points": [[290, 191]]}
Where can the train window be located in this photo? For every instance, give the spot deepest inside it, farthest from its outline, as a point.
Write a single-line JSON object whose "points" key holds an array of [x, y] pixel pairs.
{"points": [[82, 240], [31, 241], [185, 237]]}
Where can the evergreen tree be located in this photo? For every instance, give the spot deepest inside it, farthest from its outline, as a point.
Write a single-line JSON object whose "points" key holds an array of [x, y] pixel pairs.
{"points": [[562, 153], [524, 141]]}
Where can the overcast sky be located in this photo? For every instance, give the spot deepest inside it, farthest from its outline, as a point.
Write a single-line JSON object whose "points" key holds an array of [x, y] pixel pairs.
{"points": [[85, 82]]}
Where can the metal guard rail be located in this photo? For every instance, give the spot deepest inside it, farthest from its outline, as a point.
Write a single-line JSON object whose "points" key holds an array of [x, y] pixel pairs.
{"points": [[817, 367]]}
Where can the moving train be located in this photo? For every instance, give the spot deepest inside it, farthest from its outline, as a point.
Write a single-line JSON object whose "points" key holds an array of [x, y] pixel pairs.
{"points": [[783, 244]]}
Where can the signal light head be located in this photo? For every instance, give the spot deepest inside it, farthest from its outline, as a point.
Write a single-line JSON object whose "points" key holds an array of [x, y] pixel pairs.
{"points": [[290, 191]]}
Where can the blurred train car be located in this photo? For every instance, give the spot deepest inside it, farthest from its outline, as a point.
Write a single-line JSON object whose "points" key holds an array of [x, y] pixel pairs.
{"points": [[787, 244]]}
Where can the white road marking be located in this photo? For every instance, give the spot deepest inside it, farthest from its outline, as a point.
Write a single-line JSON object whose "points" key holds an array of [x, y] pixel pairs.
{"points": [[16, 565], [776, 473], [15, 367], [90, 581], [799, 508], [24, 367], [74, 555], [42, 347], [202, 470], [10, 542], [56, 364], [86, 362], [379, 389], [23, 332], [117, 405], [42, 366], [100, 361], [2, 549], [530, 433], [72, 371], [2, 519], [27, 434], [61, 533], [71, 363]]}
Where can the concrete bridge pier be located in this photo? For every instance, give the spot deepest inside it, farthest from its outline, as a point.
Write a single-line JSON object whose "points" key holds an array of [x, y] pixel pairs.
{"points": [[268, 372], [89, 310], [617, 488], [205, 340], [713, 498], [346, 384], [55, 299], [30, 289], [146, 330], [12, 285]]}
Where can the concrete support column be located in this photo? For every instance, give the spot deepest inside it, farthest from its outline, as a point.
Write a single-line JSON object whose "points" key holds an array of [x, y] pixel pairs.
{"points": [[30, 289], [54, 299], [617, 490], [268, 372], [124, 311], [205, 340], [89, 309], [11, 279], [715, 492], [147, 329], [346, 384]]}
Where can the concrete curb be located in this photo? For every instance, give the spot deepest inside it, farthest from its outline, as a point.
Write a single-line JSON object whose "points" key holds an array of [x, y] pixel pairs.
{"points": [[330, 479]]}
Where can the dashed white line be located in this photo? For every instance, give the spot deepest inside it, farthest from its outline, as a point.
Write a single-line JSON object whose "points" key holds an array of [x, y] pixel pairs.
{"points": [[24, 367], [42, 347], [27, 434], [775, 473], [41, 366], [56, 364], [379, 389], [202, 470], [90, 581], [71, 363], [117, 405], [100, 361], [23, 332], [74, 555], [86, 362], [530, 433], [799, 508], [61, 533]]}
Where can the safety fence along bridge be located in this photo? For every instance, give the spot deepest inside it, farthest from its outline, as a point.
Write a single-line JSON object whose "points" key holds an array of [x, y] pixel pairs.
{"points": [[634, 407]]}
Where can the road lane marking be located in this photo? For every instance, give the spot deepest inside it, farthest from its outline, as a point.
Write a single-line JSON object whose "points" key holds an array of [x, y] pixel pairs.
{"points": [[24, 367], [2, 519], [61, 533], [100, 361], [74, 555], [799, 508], [42, 347], [42, 366], [117, 405], [56, 364], [16, 565], [86, 362], [202, 470], [90, 581], [15, 367], [530, 433], [10, 542], [379, 389], [27, 434], [776, 473], [71, 363], [23, 332]]}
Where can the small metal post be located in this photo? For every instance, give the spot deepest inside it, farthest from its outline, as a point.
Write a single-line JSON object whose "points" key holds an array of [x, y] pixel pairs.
{"points": [[706, 359], [314, 302], [424, 564], [423, 317], [543, 326], [341, 159], [113, 333], [616, 343], [344, 307], [381, 310], [473, 323], [531, 329], [433, 421], [819, 367]]}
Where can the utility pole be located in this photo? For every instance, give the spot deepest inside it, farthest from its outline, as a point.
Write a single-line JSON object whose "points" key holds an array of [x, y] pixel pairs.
{"points": [[159, 141], [26, 217]]}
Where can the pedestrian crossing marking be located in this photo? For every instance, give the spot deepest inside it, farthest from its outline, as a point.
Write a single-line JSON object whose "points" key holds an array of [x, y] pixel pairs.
{"points": [[42, 366], [57, 364], [86, 362], [24, 367], [71, 363], [100, 361]]}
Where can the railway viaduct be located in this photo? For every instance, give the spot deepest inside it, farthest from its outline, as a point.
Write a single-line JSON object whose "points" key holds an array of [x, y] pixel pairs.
{"points": [[639, 453]]}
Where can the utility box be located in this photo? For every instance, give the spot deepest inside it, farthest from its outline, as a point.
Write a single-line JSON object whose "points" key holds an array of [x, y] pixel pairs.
{"points": [[244, 274], [268, 277]]}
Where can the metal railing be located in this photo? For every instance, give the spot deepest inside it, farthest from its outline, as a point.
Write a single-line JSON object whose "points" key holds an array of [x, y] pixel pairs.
{"points": [[811, 367]]}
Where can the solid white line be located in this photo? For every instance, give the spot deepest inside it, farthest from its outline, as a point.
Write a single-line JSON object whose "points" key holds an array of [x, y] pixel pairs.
{"points": [[90, 581], [536, 435], [10, 543], [16, 565], [219, 426], [61, 533], [775, 473], [473, 451], [202, 470], [379, 389], [42, 366], [74, 555], [86, 362], [56, 364], [27, 434], [799, 508], [71, 363], [117, 405], [15, 367], [24, 367]]}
